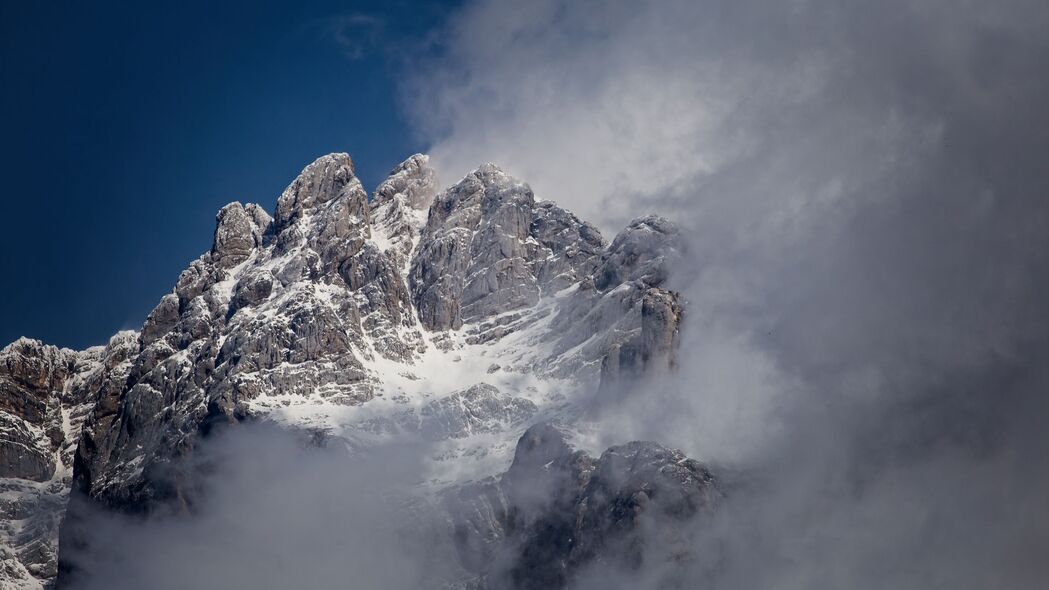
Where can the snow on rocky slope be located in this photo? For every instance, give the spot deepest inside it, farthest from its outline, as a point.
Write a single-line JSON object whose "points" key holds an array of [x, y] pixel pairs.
{"points": [[45, 395], [460, 316]]}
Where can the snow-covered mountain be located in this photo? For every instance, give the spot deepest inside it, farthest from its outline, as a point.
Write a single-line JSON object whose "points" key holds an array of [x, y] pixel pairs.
{"points": [[46, 393], [463, 317]]}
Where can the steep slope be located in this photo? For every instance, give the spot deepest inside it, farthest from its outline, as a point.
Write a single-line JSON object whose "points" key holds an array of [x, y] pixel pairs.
{"points": [[305, 316], [459, 316], [558, 510], [45, 395]]}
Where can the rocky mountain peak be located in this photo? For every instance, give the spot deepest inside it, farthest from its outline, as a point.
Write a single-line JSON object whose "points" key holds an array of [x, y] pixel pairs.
{"points": [[487, 246], [643, 251], [456, 316], [327, 178], [400, 207], [413, 180], [30, 371], [484, 190], [238, 231]]}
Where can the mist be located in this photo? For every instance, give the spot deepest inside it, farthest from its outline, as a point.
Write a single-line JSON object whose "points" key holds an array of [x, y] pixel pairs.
{"points": [[864, 191], [274, 508]]}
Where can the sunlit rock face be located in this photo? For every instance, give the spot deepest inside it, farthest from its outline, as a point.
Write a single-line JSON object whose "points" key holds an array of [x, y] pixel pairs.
{"points": [[456, 316], [46, 393], [489, 248]]}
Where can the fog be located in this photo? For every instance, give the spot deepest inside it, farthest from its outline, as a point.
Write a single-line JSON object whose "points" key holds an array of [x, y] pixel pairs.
{"points": [[275, 510], [865, 192]]}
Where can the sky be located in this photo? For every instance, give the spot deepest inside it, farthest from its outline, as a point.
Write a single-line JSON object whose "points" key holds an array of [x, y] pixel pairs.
{"points": [[125, 131], [863, 186]]}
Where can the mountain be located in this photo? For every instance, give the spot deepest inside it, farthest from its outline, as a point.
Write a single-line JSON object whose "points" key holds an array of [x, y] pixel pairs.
{"points": [[46, 393], [474, 318]]}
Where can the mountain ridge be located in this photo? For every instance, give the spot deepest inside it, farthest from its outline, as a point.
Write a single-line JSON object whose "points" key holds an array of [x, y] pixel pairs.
{"points": [[342, 313]]}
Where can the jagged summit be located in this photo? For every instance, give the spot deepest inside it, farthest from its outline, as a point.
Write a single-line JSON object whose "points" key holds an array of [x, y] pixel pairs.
{"points": [[413, 180], [239, 230], [459, 315], [400, 206], [328, 178]]}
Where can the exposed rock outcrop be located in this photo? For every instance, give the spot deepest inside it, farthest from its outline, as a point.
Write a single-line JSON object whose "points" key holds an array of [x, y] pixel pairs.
{"points": [[238, 232], [336, 301], [45, 396], [488, 248], [557, 510], [399, 209], [274, 308], [413, 180]]}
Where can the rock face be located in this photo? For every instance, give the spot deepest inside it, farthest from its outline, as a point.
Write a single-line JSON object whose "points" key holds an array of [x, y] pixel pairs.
{"points": [[399, 209], [356, 316], [654, 346], [45, 395], [413, 181], [558, 510], [489, 248]]}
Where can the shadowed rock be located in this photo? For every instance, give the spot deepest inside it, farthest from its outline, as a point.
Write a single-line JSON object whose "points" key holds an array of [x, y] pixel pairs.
{"points": [[557, 510], [45, 396]]}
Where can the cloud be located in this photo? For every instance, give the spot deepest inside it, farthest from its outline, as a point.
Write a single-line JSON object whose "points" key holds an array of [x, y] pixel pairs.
{"points": [[864, 190], [275, 512]]}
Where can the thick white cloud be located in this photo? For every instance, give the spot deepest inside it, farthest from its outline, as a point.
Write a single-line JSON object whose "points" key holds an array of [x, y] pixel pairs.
{"points": [[859, 181], [864, 186]]}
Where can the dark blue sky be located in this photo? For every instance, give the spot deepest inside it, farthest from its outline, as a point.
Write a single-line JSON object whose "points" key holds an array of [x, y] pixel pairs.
{"points": [[124, 131]]}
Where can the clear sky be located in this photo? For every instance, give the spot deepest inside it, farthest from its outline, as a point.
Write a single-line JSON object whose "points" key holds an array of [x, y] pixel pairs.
{"points": [[125, 130]]}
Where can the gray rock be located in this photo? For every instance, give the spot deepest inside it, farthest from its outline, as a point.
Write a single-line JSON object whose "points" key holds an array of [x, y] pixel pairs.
{"points": [[413, 180], [327, 179], [557, 510], [275, 308], [642, 252], [21, 454], [652, 349], [662, 313], [320, 297], [238, 232], [45, 396], [30, 373], [571, 248], [161, 320], [251, 290], [399, 207], [313, 302], [488, 248], [200, 275]]}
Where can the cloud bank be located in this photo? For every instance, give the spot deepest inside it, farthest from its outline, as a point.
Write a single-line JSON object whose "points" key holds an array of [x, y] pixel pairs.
{"points": [[273, 510], [865, 192]]}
